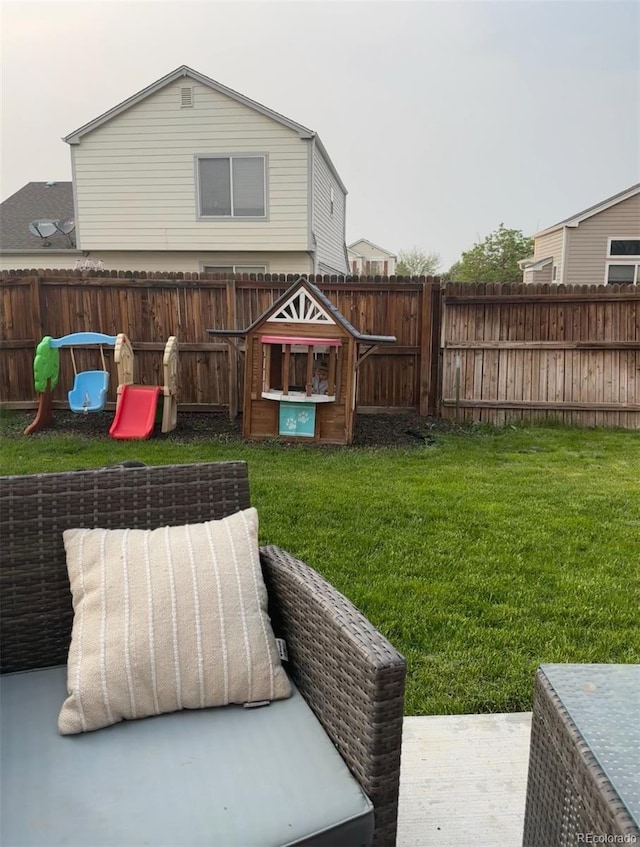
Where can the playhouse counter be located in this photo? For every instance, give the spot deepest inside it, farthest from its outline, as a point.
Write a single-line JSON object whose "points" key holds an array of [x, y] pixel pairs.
{"points": [[298, 397]]}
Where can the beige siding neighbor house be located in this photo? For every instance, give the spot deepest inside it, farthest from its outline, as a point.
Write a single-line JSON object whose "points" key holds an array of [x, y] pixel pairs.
{"points": [[367, 258], [190, 175], [600, 245]]}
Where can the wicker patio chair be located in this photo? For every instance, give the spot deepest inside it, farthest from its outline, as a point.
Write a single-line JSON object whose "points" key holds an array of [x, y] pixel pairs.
{"points": [[350, 676]]}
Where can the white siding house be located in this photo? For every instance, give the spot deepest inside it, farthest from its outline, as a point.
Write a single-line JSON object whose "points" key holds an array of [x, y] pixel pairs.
{"points": [[190, 175], [365, 257], [598, 246], [328, 215]]}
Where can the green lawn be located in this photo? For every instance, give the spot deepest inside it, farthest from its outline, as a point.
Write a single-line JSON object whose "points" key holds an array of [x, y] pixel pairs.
{"points": [[479, 557]]}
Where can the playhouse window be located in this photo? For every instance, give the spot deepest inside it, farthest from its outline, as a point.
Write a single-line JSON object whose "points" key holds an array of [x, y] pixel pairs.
{"points": [[289, 367]]}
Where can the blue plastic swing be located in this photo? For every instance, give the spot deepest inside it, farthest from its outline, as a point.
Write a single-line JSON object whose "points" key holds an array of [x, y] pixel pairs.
{"points": [[89, 392]]}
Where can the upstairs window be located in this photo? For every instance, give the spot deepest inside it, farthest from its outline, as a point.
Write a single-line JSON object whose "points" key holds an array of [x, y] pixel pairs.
{"points": [[232, 187], [624, 247]]}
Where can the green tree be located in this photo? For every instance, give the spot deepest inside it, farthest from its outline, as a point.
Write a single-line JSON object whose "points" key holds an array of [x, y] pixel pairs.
{"points": [[417, 262], [451, 274], [495, 259]]}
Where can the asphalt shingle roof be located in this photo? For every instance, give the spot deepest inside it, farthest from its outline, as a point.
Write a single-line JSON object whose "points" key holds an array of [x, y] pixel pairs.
{"points": [[34, 201]]}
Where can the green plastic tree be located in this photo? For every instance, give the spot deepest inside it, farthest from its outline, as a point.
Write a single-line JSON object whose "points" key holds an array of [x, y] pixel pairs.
{"points": [[46, 365]]}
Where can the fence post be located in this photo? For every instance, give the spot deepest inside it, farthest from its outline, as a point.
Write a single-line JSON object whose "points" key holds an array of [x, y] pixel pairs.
{"points": [[436, 321], [232, 350], [425, 348]]}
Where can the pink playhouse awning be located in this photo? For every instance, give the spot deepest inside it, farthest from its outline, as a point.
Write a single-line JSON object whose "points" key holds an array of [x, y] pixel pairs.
{"points": [[281, 339]]}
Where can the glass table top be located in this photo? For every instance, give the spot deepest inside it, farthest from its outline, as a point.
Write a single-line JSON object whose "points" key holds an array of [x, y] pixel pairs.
{"points": [[604, 703]]}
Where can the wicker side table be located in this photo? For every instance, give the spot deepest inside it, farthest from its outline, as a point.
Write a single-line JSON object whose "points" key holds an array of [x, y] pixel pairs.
{"points": [[584, 766]]}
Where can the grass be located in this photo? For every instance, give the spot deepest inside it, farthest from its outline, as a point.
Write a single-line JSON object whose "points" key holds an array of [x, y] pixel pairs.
{"points": [[478, 557]]}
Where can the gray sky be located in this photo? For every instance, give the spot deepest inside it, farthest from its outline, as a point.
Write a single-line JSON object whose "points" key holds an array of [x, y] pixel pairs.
{"points": [[442, 118]]}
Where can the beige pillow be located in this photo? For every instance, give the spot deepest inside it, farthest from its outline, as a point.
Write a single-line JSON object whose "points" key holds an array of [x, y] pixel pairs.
{"points": [[167, 619]]}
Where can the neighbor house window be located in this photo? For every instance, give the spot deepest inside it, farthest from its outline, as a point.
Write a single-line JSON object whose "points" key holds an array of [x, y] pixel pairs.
{"points": [[623, 274], [374, 267], [234, 269], [622, 269], [624, 247], [232, 187]]}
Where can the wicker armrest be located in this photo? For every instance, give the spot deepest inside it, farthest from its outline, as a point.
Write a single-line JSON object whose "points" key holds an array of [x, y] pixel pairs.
{"points": [[350, 675]]}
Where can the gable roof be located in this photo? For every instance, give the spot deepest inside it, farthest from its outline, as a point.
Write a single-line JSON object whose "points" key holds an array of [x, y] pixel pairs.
{"points": [[531, 264], [371, 244], [35, 200], [184, 71], [577, 219], [323, 301]]}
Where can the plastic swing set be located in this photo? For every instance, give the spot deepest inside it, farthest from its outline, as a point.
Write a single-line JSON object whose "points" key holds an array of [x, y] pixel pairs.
{"points": [[89, 392], [136, 404]]}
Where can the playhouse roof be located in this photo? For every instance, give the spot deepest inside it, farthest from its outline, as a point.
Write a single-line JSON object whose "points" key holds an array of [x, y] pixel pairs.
{"points": [[323, 301]]}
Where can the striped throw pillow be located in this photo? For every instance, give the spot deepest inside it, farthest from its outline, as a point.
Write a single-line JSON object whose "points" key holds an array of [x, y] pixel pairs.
{"points": [[167, 619]]}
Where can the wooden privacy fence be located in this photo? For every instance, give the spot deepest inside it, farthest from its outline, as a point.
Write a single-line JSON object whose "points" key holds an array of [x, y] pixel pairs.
{"points": [[149, 308], [570, 353], [470, 352]]}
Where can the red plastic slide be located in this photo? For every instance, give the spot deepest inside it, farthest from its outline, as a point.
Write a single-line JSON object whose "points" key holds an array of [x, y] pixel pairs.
{"points": [[135, 412]]}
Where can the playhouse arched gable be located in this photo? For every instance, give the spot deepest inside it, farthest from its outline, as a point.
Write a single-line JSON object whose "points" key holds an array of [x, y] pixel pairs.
{"points": [[301, 307]]}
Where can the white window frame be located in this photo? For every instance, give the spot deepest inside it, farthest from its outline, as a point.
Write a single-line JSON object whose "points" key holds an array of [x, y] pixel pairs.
{"points": [[622, 260], [633, 262], [631, 257], [230, 156]]}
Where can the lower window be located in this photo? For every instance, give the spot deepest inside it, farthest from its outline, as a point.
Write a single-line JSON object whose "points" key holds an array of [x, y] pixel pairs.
{"points": [[623, 274], [234, 269]]}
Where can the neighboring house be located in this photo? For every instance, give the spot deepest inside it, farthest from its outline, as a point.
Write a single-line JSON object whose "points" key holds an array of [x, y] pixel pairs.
{"points": [[37, 201], [189, 175], [598, 245], [367, 258]]}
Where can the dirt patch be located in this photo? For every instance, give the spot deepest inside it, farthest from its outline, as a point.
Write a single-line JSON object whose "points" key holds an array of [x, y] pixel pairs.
{"points": [[400, 430]]}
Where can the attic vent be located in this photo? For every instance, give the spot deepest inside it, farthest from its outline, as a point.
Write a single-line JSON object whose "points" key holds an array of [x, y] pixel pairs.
{"points": [[186, 97]]}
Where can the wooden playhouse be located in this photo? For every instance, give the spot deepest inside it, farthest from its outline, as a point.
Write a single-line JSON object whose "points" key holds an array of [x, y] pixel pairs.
{"points": [[301, 368]]}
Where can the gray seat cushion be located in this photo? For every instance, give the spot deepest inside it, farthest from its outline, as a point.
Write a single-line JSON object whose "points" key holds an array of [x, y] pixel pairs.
{"points": [[229, 777]]}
